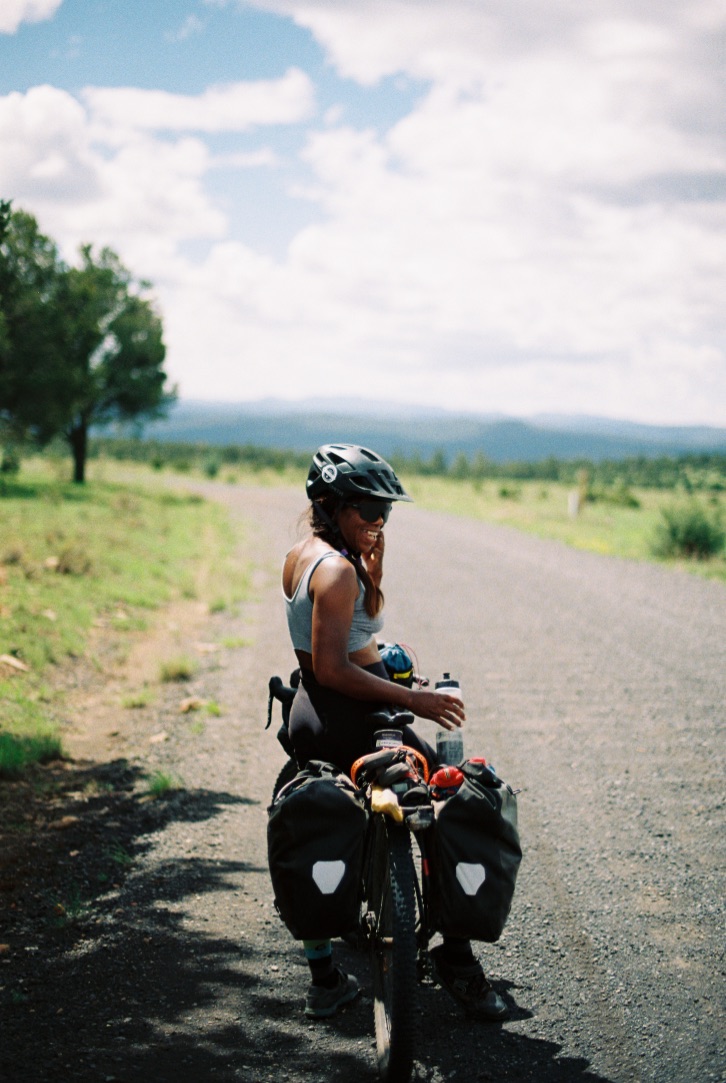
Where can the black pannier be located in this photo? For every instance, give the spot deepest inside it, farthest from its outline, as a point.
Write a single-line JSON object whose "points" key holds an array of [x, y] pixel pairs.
{"points": [[475, 856], [315, 840]]}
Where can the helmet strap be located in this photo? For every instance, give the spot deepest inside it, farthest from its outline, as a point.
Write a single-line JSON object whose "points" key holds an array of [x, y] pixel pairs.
{"points": [[328, 521], [324, 518]]}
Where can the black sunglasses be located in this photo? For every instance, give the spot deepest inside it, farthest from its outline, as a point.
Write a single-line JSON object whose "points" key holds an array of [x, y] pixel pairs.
{"points": [[372, 510]]}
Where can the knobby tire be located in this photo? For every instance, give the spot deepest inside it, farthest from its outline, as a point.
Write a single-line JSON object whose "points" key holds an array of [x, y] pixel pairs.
{"points": [[392, 910], [287, 774]]}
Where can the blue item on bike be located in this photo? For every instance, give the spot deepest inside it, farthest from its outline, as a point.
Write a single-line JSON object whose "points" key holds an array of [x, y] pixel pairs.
{"points": [[315, 839], [398, 663], [475, 856]]}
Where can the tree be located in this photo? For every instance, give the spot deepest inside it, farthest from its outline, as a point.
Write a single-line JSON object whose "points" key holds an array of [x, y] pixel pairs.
{"points": [[83, 345], [113, 348], [30, 272]]}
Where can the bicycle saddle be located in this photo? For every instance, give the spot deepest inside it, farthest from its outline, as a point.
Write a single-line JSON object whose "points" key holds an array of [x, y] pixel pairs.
{"points": [[390, 718]]}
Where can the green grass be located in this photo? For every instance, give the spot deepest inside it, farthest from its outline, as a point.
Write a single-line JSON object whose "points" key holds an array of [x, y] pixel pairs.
{"points": [[119, 855], [177, 669], [235, 642], [162, 783], [243, 474], [72, 907], [106, 555], [18, 752], [138, 700]]}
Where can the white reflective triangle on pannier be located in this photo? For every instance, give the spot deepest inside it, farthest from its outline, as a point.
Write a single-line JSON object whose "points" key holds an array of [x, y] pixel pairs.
{"points": [[327, 875], [471, 877]]}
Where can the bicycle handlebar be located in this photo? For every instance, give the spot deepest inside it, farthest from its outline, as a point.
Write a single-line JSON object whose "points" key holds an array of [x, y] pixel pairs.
{"points": [[278, 691]]}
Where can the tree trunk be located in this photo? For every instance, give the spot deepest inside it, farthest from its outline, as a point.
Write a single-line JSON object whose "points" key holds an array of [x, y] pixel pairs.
{"points": [[78, 439]]}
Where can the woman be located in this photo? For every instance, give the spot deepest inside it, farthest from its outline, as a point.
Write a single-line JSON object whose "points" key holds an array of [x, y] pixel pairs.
{"points": [[332, 586]]}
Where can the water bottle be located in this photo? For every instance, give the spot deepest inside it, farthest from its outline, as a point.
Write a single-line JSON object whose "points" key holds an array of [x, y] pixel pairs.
{"points": [[449, 743], [448, 684]]}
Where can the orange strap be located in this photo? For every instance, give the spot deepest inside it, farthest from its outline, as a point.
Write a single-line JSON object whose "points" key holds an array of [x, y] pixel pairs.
{"points": [[423, 763]]}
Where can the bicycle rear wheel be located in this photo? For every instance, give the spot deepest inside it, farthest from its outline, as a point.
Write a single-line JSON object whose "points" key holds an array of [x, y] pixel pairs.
{"points": [[287, 774], [392, 922]]}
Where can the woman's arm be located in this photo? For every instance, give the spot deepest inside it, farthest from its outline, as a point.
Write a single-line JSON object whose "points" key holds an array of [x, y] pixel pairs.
{"points": [[334, 588]]}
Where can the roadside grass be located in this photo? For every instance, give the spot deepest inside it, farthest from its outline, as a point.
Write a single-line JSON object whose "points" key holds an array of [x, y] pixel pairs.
{"points": [[162, 783], [619, 522], [75, 558], [135, 701], [18, 752], [236, 642], [177, 669], [608, 525], [267, 477]]}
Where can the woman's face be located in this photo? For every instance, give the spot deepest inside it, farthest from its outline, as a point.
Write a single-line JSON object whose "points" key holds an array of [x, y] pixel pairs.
{"points": [[360, 535]]}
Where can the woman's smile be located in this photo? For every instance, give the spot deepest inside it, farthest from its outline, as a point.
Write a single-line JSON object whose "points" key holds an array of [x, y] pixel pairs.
{"points": [[366, 538], [359, 534]]}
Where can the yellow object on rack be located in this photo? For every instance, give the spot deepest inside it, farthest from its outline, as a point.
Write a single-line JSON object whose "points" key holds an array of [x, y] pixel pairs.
{"points": [[386, 801]]}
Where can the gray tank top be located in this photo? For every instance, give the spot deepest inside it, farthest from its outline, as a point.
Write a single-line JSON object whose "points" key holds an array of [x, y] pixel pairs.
{"points": [[299, 611]]}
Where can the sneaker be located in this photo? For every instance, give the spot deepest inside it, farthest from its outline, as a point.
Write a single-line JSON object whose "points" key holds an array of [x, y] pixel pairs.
{"points": [[469, 987], [321, 1002]]}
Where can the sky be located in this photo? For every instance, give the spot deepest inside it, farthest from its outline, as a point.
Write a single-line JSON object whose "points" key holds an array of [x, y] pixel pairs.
{"points": [[492, 206]]}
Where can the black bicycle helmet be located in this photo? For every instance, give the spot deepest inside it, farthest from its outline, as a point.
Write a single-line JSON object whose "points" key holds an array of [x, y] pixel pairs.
{"points": [[348, 470]]}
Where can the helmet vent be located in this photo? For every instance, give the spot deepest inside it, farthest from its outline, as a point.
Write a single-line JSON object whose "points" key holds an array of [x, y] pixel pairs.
{"points": [[382, 480]]}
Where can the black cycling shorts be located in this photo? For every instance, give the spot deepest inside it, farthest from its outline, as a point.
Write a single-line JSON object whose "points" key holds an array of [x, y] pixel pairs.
{"points": [[327, 725]]}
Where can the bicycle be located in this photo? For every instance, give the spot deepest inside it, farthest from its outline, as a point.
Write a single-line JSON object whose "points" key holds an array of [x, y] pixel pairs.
{"points": [[395, 915]]}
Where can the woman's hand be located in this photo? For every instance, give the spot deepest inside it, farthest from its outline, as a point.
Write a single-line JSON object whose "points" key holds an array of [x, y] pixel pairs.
{"points": [[439, 707], [374, 559]]}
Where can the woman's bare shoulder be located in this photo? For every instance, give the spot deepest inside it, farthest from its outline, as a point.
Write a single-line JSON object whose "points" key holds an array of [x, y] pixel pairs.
{"points": [[333, 575], [302, 555]]}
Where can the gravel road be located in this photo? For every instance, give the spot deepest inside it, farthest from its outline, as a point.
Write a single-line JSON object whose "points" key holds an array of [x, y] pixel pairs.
{"points": [[596, 685]]}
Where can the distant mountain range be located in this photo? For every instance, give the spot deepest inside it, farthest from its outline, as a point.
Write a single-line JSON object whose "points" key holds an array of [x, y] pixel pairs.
{"points": [[410, 430]]}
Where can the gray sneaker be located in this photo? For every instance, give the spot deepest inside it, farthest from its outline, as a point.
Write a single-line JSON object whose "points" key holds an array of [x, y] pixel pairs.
{"points": [[321, 1002], [468, 985]]}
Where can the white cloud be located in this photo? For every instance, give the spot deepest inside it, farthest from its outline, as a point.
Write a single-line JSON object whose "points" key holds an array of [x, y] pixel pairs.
{"points": [[144, 197], [542, 232], [15, 12], [236, 107]]}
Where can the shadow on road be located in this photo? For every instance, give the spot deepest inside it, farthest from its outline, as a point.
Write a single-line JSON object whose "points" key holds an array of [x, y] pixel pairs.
{"points": [[103, 977]]}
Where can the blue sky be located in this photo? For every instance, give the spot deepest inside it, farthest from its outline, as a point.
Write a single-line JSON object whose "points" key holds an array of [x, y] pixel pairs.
{"points": [[492, 205]]}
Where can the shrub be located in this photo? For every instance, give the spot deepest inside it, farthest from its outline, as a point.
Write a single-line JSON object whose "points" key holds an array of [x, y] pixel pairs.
{"points": [[10, 461], [161, 783], [74, 560], [619, 496], [687, 531], [178, 669]]}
